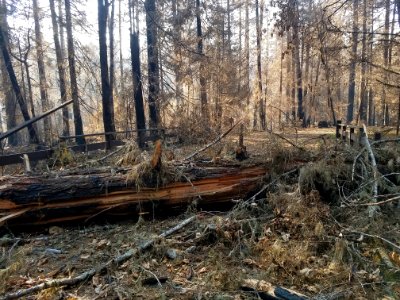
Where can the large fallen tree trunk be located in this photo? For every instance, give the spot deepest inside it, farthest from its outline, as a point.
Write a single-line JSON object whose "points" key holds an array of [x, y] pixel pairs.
{"points": [[25, 201]]}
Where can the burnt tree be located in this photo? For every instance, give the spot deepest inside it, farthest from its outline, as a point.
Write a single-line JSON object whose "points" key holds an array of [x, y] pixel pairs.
{"points": [[137, 80], [203, 81], [153, 65], [80, 140], [107, 100], [33, 137], [42, 72], [61, 68]]}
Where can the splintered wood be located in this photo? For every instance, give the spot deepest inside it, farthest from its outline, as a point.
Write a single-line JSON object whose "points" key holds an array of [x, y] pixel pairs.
{"points": [[26, 201]]}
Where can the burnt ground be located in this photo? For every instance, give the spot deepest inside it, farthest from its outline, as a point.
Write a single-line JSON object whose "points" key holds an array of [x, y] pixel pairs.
{"points": [[308, 231]]}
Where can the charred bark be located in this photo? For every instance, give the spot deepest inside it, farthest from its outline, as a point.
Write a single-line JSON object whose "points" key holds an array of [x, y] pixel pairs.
{"points": [[61, 69], [33, 137], [153, 65], [80, 140], [107, 100]]}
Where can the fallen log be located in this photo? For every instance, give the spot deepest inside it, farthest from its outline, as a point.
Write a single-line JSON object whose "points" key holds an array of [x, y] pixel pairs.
{"points": [[36, 200]]}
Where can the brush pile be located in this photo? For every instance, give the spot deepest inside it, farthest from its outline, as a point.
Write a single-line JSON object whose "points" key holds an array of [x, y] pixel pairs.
{"points": [[305, 232]]}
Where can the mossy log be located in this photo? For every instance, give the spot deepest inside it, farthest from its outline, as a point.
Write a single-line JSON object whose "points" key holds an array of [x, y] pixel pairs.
{"points": [[37, 200]]}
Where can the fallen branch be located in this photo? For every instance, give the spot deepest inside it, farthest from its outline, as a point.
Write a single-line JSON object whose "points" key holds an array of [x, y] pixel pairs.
{"points": [[213, 142], [397, 247], [286, 140], [90, 273], [266, 290], [265, 186], [365, 148], [379, 203], [371, 209], [110, 154]]}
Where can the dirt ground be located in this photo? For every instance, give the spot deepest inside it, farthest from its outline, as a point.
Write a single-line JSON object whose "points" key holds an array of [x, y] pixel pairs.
{"points": [[308, 230]]}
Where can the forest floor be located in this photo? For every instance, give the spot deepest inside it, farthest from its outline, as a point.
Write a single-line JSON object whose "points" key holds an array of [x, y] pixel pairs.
{"points": [[310, 230]]}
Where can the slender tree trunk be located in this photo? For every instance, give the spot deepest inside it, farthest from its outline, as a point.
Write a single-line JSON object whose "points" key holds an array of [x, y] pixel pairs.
{"points": [[288, 75], [203, 81], [324, 61], [306, 119], [112, 55], [352, 69], [42, 73], [72, 74], [33, 137], [247, 53], [25, 63], [106, 89], [293, 82], [10, 107], [137, 88], [122, 99], [61, 69], [153, 66], [363, 91], [371, 104], [240, 51], [260, 103], [177, 50], [296, 41], [384, 112], [137, 80], [314, 89], [280, 85]]}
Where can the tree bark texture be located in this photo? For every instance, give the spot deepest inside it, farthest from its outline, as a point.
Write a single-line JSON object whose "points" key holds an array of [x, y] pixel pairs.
{"points": [[363, 117], [260, 105], [61, 69], [138, 89], [203, 80], [353, 63], [107, 101], [38, 200], [153, 66], [33, 137], [42, 72], [80, 140]]}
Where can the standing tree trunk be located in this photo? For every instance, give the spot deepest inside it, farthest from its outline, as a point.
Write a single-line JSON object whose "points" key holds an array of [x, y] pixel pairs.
{"points": [[61, 69], [112, 59], [177, 50], [42, 73], [288, 74], [371, 104], [33, 137], [80, 140], [24, 61], [137, 80], [203, 81], [352, 69], [260, 103], [153, 67], [107, 101], [9, 95], [296, 41], [123, 102], [280, 85], [176, 14], [247, 53], [363, 93], [384, 119]]}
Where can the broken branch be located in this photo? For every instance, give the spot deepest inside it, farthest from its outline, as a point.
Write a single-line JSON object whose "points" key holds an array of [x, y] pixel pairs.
{"points": [[213, 142]]}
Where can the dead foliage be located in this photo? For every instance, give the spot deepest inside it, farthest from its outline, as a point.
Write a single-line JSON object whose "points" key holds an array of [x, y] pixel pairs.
{"points": [[307, 231]]}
